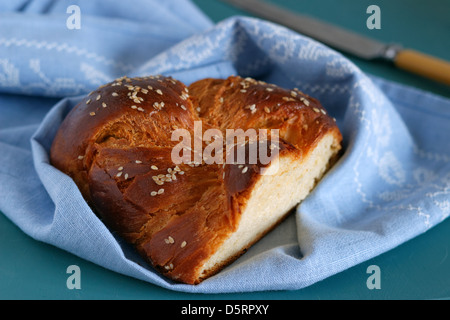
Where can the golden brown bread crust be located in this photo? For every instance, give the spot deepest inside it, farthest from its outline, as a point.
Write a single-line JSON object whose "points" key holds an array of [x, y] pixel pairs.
{"points": [[116, 145]]}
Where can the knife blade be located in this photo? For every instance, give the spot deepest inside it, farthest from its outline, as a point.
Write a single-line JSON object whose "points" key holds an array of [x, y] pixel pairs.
{"points": [[350, 42]]}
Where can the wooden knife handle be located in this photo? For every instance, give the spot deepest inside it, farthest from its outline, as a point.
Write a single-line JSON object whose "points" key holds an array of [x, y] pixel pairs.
{"points": [[424, 65]]}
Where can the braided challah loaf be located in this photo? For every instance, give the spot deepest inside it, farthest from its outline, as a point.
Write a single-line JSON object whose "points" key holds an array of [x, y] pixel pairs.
{"points": [[190, 219]]}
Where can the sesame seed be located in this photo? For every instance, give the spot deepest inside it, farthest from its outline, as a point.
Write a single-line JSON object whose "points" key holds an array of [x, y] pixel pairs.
{"points": [[115, 94], [120, 168], [171, 240], [89, 101], [306, 102], [140, 109], [80, 157], [266, 109], [92, 113], [153, 193], [293, 93], [119, 174], [133, 107], [159, 92], [138, 161], [181, 172], [103, 105], [150, 87], [244, 170], [243, 90], [126, 176], [183, 107], [98, 97], [269, 89], [154, 167], [316, 110], [183, 244], [160, 191], [198, 109], [323, 111]]}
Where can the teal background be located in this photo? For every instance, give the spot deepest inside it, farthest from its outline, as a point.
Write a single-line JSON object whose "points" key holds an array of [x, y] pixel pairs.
{"points": [[417, 269]]}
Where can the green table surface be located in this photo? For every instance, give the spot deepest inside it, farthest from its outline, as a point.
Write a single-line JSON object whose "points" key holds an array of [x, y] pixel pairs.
{"points": [[417, 269]]}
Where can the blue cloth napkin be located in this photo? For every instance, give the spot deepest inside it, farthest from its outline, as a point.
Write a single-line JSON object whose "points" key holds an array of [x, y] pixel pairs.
{"points": [[391, 184]]}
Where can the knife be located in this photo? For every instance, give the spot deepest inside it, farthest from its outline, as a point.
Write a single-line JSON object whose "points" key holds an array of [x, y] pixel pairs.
{"points": [[350, 42]]}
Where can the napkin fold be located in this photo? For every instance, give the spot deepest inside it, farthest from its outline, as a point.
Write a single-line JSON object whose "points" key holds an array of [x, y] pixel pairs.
{"points": [[391, 184]]}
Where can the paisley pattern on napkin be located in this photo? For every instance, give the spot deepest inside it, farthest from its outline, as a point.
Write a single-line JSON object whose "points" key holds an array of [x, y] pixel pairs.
{"points": [[391, 184]]}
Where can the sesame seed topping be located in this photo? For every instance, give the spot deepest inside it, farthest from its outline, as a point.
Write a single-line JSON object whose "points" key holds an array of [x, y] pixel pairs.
{"points": [[158, 106], [119, 174], [154, 167], [159, 92], [98, 97], [183, 107], [120, 168], [316, 110], [92, 113], [266, 109], [133, 107], [323, 111], [140, 109], [269, 89], [138, 161], [80, 157], [183, 244], [171, 240], [115, 94], [244, 170], [103, 105], [150, 87], [88, 101], [153, 193], [126, 176], [306, 102]]}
